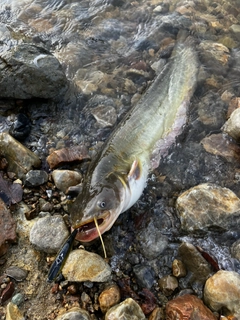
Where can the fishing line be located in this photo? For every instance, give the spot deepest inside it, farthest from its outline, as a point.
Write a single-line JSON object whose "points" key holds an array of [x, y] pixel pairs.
{"points": [[100, 236]]}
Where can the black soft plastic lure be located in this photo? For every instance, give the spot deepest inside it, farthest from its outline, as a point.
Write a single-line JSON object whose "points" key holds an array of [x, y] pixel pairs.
{"points": [[61, 257]]}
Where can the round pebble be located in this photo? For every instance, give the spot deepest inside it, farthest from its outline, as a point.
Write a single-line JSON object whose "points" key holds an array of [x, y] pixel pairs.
{"points": [[49, 233]]}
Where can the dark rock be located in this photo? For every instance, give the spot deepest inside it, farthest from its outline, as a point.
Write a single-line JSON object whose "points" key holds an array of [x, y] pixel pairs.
{"points": [[21, 127], [196, 265], [16, 273], [28, 71], [7, 292], [7, 227], [151, 241], [36, 178], [144, 275]]}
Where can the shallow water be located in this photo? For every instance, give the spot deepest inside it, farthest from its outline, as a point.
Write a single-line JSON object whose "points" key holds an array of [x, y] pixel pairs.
{"points": [[110, 51]]}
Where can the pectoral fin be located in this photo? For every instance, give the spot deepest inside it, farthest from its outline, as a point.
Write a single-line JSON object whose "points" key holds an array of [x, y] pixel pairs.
{"points": [[135, 171]]}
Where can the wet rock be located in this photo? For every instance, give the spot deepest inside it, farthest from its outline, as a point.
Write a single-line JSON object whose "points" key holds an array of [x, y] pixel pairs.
{"points": [[36, 178], [18, 299], [64, 179], [21, 127], [221, 145], [128, 310], [208, 206], [195, 263], [16, 273], [144, 275], [215, 56], [109, 297], [157, 314], [92, 267], [106, 116], [20, 159], [49, 233], [178, 269], [74, 314], [7, 227], [13, 313], [66, 155], [188, 307], [235, 249], [222, 292], [151, 242], [31, 72], [232, 126], [168, 284]]}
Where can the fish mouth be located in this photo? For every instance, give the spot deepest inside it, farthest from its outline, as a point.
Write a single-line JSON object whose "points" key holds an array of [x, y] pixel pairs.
{"points": [[88, 231]]}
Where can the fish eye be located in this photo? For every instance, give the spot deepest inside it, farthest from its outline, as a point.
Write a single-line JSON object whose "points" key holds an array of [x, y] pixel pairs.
{"points": [[102, 204]]}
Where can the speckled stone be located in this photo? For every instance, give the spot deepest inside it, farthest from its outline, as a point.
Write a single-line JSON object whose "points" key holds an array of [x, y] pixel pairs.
{"points": [[188, 307], [207, 206], [49, 233], [222, 292], [74, 314], [127, 310], [92, 267], [232, 126]]}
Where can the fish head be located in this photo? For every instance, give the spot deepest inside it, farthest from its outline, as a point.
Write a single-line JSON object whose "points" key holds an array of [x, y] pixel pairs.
{"points": [[103, 202]]}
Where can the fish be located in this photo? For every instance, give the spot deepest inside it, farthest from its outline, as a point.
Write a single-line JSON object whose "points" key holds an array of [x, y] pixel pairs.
{"points": [[118, 174]]}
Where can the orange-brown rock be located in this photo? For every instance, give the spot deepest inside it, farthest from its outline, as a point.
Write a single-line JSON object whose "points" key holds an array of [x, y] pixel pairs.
{"points": [[109, 297], [188, 307], [66, 155]]}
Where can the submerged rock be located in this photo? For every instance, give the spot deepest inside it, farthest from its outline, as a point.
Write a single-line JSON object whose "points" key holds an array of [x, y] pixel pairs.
{"points": [[21, 127], [168, 284], [151, 241], [20, 159], [36, 178], [222, 292], [232, 126], [208, 206], [82, 265], [127, 310], [49, 233], [74, 314], [66, 155], [221, 145], [145, 275], [64, 179], [196, 265], [16, 273], [28, 71], [106, 116], [235, 249], [188, 307]]}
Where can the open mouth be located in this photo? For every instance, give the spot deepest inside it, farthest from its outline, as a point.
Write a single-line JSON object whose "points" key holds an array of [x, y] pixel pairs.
{"points": [[88, 231]]}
